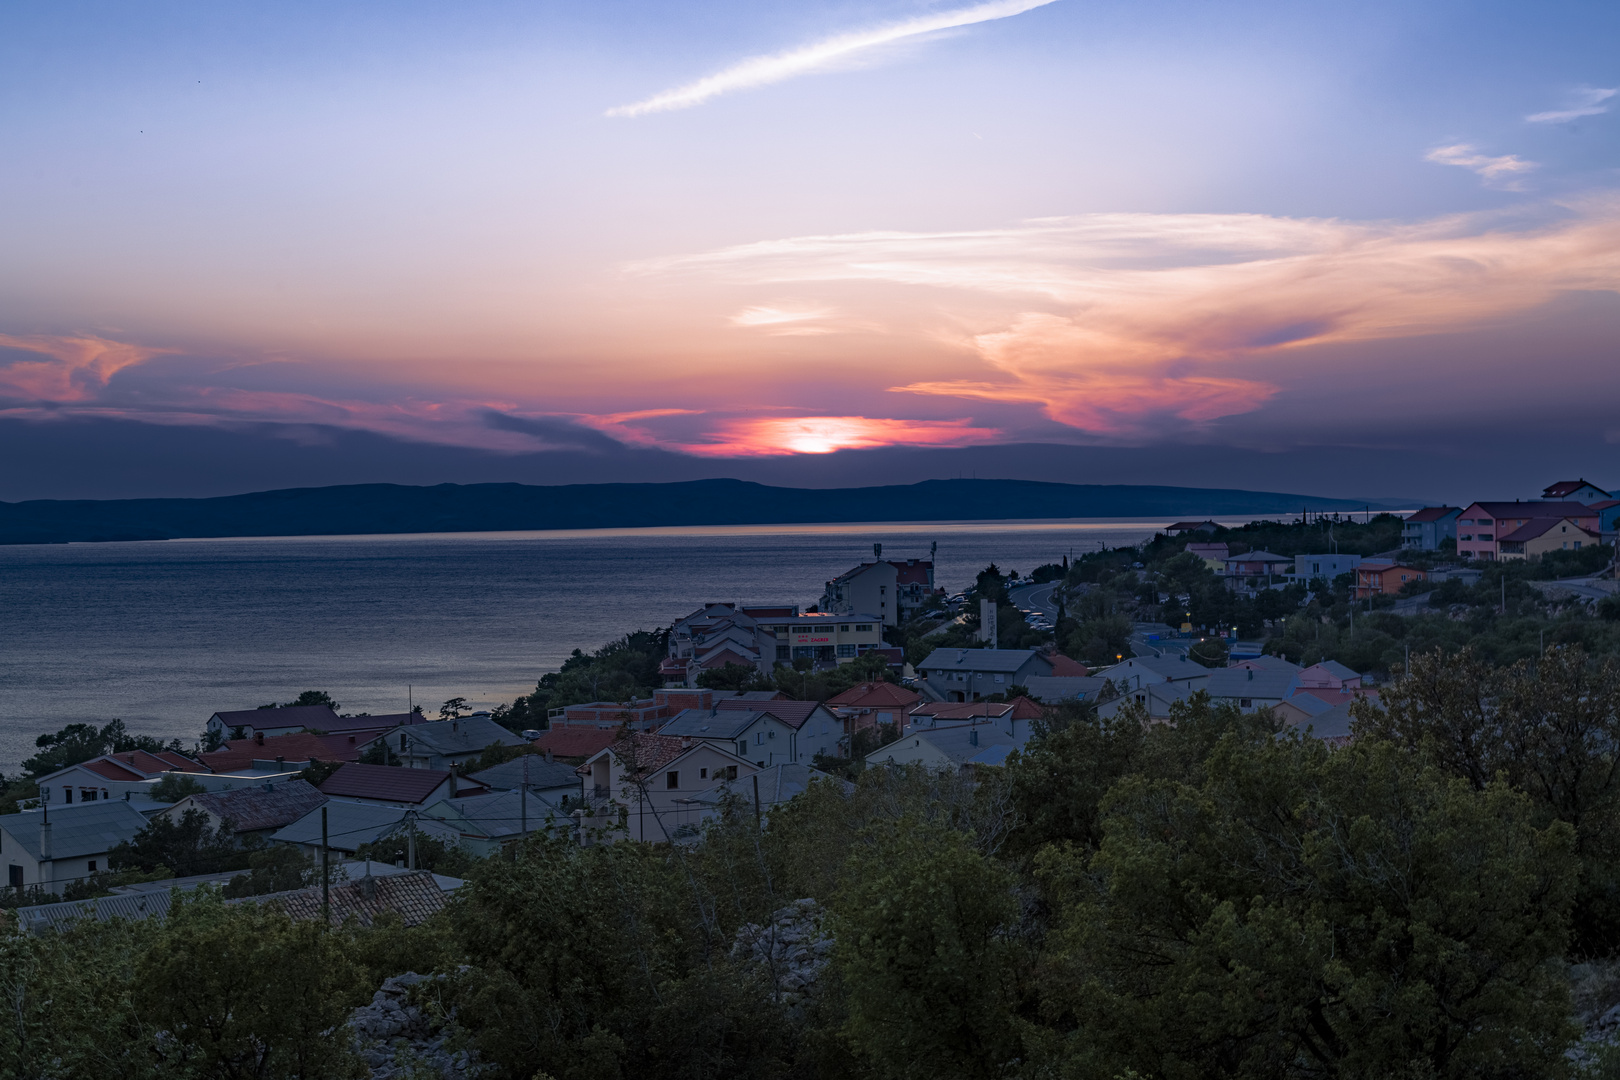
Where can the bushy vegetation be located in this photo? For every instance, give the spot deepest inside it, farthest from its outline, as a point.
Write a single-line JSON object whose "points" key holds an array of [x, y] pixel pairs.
{"points": [[1205, 898], [619, 671]]}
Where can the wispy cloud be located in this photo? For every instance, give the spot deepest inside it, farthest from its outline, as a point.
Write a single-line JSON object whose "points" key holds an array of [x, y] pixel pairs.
{"points": [[784, 322], [763, 437], [1495, 171], [1119, 323], [70, 369], [764, 70], [1584, 101]]}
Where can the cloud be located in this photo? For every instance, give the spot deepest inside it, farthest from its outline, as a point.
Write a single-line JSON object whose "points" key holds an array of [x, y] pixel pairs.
{"points": [[74, 369], [1495, 171], [761, 437], [1118, 323], [764, 70], [781, 322], [1585, 101]]}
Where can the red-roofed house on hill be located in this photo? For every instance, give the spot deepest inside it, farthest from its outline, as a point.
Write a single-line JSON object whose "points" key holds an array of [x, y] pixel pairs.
{"points": [[870, 704], [110, 776], [1483, 524], [1581, 491], [1382, 578], [891, 589], [397, 786], [295, 750], [646, 777], [1543, 535], [251, 722], [576, 743]]}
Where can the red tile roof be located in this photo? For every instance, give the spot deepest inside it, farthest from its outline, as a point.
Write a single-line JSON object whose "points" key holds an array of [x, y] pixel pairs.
{"points": [[320, 716], [1530, 510], [299, 746], [911, 573], [112, 770], [791, 713], [1540, 527], [648, 753], [576, 742], [414, 896], [1565, 488], [1433, 513], [392, 783], [1334, 696], [874, 695], [1064, 666], [152, 764], [724, 657]]}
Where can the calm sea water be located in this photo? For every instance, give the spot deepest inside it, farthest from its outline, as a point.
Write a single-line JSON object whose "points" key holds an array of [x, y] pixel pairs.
{"points": [[162, 634]]}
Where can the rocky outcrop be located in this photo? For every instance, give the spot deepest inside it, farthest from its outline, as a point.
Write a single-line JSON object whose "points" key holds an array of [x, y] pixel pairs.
{"points": [[792, 948], [398, 1039]]}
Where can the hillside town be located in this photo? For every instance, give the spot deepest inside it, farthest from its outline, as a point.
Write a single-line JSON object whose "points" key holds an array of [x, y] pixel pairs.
{"points": [[1308, 630]]}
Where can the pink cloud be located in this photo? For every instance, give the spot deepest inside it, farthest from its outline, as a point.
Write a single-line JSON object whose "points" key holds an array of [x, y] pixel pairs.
{"points": [[74, 368], [761, 437]]}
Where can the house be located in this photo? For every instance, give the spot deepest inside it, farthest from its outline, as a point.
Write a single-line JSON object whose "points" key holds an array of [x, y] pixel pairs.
{"points": [[1329, 675], [1608, 512], [1329, 722], [818, 730], [111, 776], [251, 810], [1064, 665], [1140, 671], [1056, 689], [751, 734], [295, 750], [1252, 688], [533, 771], [1214, 555], [969, 674], [398, 786], [575, 744], [1257, 564], [642, 777], [353, 823], [484, 823], [1380, 577], [1154, 698], [1181, 528], [1327, 567], [1482, 524], [717, 634], [832, 639], [1542, 535], [1424, 530], [762, 792], [1015, 718], [891, 589], [47, 849], [444, 744], [245, 723], [1579, 491], [871, 704], [962, 748]]}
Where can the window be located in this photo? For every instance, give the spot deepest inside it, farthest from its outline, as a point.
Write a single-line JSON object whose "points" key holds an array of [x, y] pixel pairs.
{"points": [[67, 794], [87, 794], [772, 735], [742, 748], [804, 629], [16, 880], [844, 629], [92, 866], [863, 628], [759, 737], [846, 651], [783, 652], [1244, 703], [1001, 678], [703, 774], [672, 779], [1577, 545]]}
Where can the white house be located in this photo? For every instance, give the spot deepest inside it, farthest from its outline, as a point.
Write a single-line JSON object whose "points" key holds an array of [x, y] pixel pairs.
{"points": [[50, 848], [644, 777], [446, 743], [969, 674], [752, 735], [957, 748]]}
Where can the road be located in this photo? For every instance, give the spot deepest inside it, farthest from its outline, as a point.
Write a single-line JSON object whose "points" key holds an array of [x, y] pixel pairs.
{"points": [[1036, 598]]}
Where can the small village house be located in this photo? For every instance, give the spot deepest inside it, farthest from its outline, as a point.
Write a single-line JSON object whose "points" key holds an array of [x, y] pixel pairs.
{"points": [[1429, 527], [48, 849], [969, 674], [1542, 535], [645, 776], [1380, 577]]}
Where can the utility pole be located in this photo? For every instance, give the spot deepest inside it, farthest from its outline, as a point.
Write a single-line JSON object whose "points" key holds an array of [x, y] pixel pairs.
{"points": [[756, 796], [326, 874], [523, 799], [410, 856]]}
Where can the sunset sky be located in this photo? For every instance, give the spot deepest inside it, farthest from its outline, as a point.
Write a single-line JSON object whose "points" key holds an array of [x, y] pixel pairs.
{"points": [[1260, 244]]}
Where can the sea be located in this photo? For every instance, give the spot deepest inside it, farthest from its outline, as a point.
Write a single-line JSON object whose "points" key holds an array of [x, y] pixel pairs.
{"points": [[162, 634]]}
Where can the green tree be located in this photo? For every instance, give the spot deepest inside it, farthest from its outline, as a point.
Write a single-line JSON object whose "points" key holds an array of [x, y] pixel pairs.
{"points": [[453, 708], [1309, 912], [77, 743], [190, 846], [173, 787], [925, 953], [734, 676]]}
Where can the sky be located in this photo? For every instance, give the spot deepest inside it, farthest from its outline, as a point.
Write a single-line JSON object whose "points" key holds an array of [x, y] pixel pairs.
{"points": [[1355, 249]]}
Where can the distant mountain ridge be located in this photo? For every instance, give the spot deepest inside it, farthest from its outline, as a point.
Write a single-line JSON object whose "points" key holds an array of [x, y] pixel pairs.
{"points": [[397, 508]]}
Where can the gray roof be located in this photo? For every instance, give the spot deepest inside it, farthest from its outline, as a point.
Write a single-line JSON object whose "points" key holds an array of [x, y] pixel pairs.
{"points": [[1155, 697], [542, 774], [1332, 724], [350, 823], [1248, 683], [1052, 689], [702, 724], [77, 831], [37, 918], [1176, 667], [1333, 667], [967, 742], [1309, 704], [1005, 661], [498, 814], [254, 809], [1277, 663], [777, 784], [1259, 556], [469, 735]]}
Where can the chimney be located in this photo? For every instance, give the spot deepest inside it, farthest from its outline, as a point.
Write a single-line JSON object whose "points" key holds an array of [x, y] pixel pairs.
{"points": [[45, 842], [1251, 673], [281, 762], [258, 738], [973, 736], [452, 783], [548, 755]]}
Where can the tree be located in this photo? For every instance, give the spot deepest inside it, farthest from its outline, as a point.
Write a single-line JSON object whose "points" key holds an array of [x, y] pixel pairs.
{"points": [[734, 676], [453, 708], [308, 697], [190, 846], [78, 743], [272, 868], [173, 787], [924, 953], [1302, 911]]}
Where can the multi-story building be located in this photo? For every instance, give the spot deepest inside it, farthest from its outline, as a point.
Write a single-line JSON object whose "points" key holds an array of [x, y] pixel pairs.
{"points": [[826, 637], [1326, 567], [1581, 491], [969, 674], [1482, 525], [1424, 530], [891, 589], [1543, 535]]}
